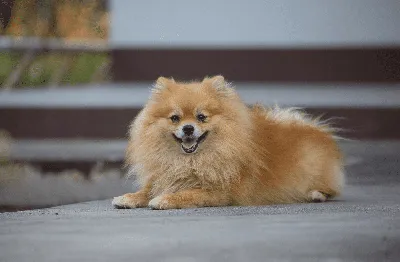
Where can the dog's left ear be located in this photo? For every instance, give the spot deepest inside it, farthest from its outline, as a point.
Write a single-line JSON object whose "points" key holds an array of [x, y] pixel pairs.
{"points": [[218, 82]]}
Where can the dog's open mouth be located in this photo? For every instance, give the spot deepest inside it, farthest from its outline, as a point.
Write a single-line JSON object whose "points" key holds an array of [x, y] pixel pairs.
{"points": [[192, 148]]}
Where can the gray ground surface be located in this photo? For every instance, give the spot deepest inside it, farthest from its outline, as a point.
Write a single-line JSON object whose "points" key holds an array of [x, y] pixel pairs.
{"points": [[362, 225]]}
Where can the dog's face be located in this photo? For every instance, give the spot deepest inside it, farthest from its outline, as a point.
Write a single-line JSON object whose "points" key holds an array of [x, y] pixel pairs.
{"points": [[189, 131], [190, 118]]}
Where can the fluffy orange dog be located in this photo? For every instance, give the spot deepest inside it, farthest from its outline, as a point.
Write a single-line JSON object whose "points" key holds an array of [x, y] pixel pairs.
{"points": [[197, 144]]}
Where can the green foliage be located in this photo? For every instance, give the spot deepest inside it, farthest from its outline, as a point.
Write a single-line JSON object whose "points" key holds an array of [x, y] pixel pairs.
{"points": [[80, 70]]}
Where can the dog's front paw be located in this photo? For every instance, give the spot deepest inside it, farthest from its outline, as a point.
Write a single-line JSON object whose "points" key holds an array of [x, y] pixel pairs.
{"points": [[162, 202], [132, 200], [118, 202], [317, 196]]}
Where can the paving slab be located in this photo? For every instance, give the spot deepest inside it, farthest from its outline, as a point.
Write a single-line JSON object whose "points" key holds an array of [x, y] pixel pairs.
{"points": [[362, 225]]}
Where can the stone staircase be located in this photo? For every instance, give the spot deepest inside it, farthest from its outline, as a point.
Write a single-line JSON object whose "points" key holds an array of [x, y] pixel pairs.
{"points": [[77, 127]]}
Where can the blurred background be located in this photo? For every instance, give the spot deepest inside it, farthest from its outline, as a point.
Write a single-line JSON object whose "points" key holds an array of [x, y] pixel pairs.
{"points": [[73, 74]]}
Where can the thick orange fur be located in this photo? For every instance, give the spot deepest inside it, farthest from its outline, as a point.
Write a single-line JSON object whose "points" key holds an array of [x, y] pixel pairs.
{"points": [[251, 156]]}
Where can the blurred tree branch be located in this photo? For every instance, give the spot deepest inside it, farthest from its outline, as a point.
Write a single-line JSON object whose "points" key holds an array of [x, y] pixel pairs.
{"points": [[55, 18], [5, 12]]}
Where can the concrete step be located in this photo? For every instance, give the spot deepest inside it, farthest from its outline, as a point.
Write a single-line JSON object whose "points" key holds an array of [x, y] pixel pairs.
{"points": [[135, 95], [105, 111], [56, 155]]}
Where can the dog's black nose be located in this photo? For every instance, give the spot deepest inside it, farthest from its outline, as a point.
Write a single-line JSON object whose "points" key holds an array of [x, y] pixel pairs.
{"points": [[188, 130]]}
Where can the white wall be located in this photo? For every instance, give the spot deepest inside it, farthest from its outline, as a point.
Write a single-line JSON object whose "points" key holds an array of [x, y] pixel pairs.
{"points": [[238, 23]]}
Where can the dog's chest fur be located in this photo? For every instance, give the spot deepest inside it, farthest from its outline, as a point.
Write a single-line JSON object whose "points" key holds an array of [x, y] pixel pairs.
{"points": [[204, 172]]}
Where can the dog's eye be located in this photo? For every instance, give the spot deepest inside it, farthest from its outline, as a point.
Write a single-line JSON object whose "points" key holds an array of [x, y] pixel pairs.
{"points": [[175, 118], [201, 117]]}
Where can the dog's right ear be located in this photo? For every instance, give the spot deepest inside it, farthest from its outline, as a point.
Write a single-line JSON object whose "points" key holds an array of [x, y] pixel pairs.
{"points": [[218, 83], [161, 84]]}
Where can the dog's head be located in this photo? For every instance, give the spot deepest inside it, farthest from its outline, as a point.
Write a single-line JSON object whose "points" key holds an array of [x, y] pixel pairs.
{"points": [[195, 117]]}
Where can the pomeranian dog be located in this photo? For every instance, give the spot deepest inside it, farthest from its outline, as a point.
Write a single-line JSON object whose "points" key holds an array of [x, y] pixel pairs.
{"points": [[198, 145]]}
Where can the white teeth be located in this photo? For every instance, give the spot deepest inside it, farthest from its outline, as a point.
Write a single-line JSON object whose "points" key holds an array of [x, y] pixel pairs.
{"points": [[189, 146]]}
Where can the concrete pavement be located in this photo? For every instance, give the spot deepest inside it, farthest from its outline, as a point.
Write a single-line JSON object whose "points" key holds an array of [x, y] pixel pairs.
{"points": [[361, 225]]}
